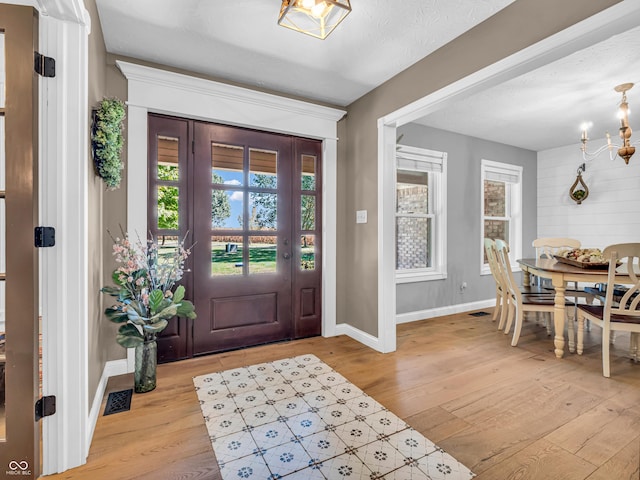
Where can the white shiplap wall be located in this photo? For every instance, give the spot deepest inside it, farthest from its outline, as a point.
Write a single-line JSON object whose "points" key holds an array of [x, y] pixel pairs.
{"points": [[610, 215]]}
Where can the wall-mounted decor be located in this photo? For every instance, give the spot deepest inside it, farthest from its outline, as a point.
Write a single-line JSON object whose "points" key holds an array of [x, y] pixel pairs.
{"points": [[579, 190], [106, 141]]}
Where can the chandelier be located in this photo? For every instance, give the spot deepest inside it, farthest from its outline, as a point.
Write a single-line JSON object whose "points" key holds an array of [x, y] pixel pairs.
{"points": [[624, 150], [317, 18]]}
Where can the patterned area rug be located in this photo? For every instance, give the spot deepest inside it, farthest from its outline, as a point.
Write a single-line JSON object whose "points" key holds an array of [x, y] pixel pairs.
{"points": [[297, 418]]}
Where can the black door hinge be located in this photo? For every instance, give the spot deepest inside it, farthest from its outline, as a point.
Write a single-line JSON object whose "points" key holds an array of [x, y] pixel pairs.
{"points": [[45, 407], [45, 66], [44, 237]]}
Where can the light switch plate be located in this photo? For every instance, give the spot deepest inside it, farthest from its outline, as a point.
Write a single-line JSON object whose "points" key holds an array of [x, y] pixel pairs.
{"points": [[361, 216]]}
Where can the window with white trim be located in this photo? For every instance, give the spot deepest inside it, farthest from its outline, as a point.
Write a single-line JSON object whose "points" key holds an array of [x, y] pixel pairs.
{"points": [[501, 207], [421, 228]]}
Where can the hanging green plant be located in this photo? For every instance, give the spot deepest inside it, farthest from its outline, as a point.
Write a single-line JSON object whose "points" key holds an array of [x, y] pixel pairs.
{"points": [[579, 190], [106, 141]]}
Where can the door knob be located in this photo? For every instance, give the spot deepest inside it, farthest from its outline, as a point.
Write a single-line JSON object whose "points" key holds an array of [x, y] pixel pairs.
{"points": [[286, 255]]}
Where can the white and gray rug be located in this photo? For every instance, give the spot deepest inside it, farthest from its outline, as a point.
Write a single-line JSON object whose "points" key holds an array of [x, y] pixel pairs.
{"points": [[297, 418]]}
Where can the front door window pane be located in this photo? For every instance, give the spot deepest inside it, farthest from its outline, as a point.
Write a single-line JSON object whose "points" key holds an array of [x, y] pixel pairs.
{"points": [[308, 212], [308, 172], [262, 254], [227, 162], [307, 252], [168, 158], [263, 166], [224, 205], [226, 255], [413, 243], [263, 211], [168, 201]]}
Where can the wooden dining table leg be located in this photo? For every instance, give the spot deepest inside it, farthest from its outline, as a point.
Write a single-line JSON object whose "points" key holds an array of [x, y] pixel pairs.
{"points": [[558, 314]]}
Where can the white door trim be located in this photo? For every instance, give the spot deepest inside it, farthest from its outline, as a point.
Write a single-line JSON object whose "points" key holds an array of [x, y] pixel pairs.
{"points": [[618, 18], [160, 91], [63, 190]]}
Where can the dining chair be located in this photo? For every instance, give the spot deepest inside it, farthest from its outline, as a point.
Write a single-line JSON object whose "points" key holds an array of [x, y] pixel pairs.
{"points": [[502, 296], [547, 247], [489, 251], [519, 302], [622, 315]]}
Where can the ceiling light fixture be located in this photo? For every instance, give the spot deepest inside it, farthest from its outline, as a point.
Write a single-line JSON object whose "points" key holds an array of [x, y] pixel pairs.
{"points": [[626, 149], [317, 18]]}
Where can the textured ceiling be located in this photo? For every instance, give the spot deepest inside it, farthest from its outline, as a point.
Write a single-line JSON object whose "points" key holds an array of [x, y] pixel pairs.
{"points": [[240, 41], [545, 108]]}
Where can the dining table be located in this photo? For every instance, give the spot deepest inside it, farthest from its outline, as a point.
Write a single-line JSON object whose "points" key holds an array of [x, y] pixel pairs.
{"points": [[560, 273]]}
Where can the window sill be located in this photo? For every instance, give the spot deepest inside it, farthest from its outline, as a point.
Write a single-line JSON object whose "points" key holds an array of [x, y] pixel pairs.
{"points": [[419, 277]]}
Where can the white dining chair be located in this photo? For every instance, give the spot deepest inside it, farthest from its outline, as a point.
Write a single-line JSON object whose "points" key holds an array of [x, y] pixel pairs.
{"points": [[623, 314], [502, 294], [519, 303], [547, 247], [501, 297]]}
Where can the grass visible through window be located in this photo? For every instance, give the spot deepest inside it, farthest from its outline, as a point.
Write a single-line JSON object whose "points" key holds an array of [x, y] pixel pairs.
{"points": [[262, 259]]}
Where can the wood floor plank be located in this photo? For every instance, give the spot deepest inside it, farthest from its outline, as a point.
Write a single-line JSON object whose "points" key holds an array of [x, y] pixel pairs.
{"points": [[437, 424], [505, 412], [540, 460], [625, 465], [599, 433], [537, 411]]}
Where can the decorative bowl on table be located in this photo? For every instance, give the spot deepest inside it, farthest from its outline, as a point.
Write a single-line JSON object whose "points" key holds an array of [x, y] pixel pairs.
{"points": [[582, 257]]}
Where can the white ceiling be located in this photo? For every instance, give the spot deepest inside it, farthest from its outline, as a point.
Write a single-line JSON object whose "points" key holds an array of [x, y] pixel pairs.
{"points": [[545, 108], [240, 41]]}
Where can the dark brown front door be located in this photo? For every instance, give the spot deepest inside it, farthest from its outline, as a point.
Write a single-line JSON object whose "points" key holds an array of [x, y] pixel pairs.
{"points": [[252, 201], [19, 326], [242, 227]]}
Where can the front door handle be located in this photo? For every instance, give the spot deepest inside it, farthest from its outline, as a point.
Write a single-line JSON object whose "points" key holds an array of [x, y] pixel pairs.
{"points": [[286, 255]]}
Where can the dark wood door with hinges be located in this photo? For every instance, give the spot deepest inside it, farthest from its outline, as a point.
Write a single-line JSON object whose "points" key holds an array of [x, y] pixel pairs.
{"points": [[252, 202], [19, 325]]}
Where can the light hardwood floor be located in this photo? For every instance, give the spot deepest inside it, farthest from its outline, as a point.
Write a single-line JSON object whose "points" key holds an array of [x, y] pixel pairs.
{"points": [[505, 412]]}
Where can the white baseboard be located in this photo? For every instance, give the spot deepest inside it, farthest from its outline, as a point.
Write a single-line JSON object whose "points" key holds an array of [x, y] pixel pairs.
{"points": [[441, 311], [111, 369], [358, 335]]}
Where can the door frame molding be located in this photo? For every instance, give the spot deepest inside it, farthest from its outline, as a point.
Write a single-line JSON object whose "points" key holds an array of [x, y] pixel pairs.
{"points": [[64, 173], [152, 90], [63, 163]]}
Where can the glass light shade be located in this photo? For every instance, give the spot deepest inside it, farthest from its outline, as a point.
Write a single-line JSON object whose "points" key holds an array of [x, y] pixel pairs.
{"points": [[317, 18]]}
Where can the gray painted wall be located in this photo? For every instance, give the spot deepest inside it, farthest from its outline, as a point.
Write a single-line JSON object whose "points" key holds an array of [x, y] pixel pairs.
{"points": [[463, 216], [521, 24]]}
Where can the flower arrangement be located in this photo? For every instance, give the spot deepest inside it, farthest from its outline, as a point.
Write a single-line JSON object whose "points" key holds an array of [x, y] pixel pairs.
{"points": [[106, 141], [144, 289]]}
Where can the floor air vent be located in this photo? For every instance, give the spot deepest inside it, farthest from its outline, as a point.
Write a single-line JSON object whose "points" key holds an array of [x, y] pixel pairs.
{"points": [[478, 314], [118, 402]]}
